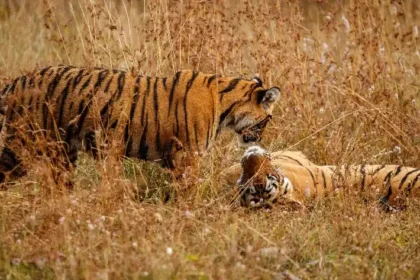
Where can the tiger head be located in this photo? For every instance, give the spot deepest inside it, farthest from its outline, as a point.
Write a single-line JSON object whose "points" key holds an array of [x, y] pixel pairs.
{"points": [[249, 109], [260, 182]]}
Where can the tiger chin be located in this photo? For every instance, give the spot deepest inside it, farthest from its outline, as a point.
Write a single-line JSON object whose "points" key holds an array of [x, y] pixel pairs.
{"points": [[168, 120], [289, 177]]}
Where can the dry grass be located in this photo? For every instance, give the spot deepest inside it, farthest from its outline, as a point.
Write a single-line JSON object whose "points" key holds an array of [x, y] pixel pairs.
{"points": [[349, 71]]}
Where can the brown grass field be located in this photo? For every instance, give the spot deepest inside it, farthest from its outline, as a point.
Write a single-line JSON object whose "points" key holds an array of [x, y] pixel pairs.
{"points": [[349, 73]]}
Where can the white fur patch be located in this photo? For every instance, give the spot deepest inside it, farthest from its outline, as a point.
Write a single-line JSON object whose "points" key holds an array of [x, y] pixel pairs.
{"points": [[287, 186], [255, 150]]}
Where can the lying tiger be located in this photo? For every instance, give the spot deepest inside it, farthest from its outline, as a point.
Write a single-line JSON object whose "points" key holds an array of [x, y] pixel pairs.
{"points": [[154, 118], [291, 177]]}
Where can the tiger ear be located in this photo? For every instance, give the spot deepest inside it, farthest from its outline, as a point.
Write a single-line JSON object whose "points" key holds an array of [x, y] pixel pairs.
{"points": [[257, 80], [269, 97]]}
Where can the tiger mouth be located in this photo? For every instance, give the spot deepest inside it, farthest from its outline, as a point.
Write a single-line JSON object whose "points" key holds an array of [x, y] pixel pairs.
{"points": [[253, 133]]}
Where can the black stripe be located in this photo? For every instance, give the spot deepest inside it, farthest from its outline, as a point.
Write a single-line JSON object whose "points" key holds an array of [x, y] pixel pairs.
{"points": [[295, 160], [398, 170], [129, 147], [121, 84], [43, 71], [126, 134], [196, 134], [101, 77], [64, 95], [84, 113], [387, 182], [12, 88], [114, 124], [177, 119], [146, 94], [205, 79], [32, 81], [23, 82], [12, 110], [286, 188], [229, 88], [42, 74], [298, 162], [78, 78], [108, 84], [225, 113], [412, 185], [20, 105], [30, 100], [104, 110], [164, 84], [134, 103], [208, 135], [156, 107], [86, 83], [71, 106], [211, 80], [363, 171], [323, 178], [378, 169], [50, 92], [406, 176], [5, 89], [135, 98], [143, 148], [171, 95], [189, 85]]}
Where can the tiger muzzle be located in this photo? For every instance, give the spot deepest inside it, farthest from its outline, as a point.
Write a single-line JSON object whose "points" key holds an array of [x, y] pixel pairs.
{"points": [[254, 132]]}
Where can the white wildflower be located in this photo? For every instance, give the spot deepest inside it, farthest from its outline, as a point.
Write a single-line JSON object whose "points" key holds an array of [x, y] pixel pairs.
{"points": [[188, 214], [397, 149], [307, 190], [269, 252], [169, 251], [393, 10], [415, 31], [134, 244], [159, 217], [90, 225], [61, 220], [240, 265], [346, 23]]}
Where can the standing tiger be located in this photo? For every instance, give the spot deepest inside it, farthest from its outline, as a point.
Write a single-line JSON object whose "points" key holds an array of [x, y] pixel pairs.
{"points": [[264, 178], [154, 117]]}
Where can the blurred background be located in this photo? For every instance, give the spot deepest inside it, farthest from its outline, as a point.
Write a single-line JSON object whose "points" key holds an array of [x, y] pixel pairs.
{"points": [[349, 74]]}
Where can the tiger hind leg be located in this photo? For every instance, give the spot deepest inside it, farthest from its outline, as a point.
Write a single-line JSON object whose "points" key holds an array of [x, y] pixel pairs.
{"points": [[10, 167]]}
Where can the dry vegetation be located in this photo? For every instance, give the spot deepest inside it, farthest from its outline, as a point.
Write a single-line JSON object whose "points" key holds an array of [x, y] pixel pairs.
{"points": [[349, 71]]}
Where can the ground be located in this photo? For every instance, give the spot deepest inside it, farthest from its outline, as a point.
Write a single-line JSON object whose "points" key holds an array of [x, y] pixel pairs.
{"points": [[349, 74]]}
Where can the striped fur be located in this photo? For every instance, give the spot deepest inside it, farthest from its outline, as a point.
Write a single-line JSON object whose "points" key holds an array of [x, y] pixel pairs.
{"points": [[299, 179], [153, 117]]}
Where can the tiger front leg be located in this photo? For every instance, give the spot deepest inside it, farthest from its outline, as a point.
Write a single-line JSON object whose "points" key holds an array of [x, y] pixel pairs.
{"points": [[182, 163]]}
